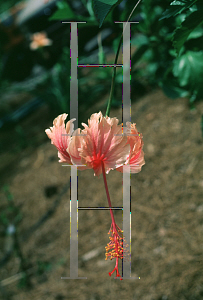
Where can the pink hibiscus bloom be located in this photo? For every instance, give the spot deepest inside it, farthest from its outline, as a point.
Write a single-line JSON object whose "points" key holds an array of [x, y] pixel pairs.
{"points": [[99, 144], [101, 147], [100, 141]]}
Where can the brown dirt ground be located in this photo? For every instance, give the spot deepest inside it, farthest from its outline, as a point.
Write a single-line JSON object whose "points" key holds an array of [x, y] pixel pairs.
{"points": [[167, 212]]}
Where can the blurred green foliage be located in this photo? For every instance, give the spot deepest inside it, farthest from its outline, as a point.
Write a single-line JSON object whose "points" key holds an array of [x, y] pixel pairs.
{"points": [[168, 41], [169, 54], [55, 90], [5, 5]]}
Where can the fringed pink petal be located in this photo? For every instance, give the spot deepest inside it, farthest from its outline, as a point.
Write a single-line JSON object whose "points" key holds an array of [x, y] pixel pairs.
{"points": [[102, 144], [59, 136], [136, 157], [136, 166], [73, 149]]}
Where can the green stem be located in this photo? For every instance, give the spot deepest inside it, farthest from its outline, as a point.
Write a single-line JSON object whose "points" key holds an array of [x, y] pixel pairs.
{"points": [[115, 63], [113, 79]]}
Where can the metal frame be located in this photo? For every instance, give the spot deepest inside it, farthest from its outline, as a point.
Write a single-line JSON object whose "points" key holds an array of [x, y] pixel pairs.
{"points": [[126, 117]]}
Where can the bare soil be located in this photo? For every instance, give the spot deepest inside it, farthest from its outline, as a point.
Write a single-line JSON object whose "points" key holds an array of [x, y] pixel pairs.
{"points": [[166, 203]]}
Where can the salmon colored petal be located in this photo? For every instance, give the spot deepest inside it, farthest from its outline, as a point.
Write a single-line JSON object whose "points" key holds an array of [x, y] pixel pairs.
{"points": [[101, 144], [58, 137], [73, 149], [136, 156], [136, 167]]}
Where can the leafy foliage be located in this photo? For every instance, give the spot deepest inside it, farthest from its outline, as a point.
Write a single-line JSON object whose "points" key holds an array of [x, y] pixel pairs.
{"points": [[64, 12], [189, 69], [101, 11], [103, 7], [110, 2], [191, 22], [169, 39], [177, 7]]}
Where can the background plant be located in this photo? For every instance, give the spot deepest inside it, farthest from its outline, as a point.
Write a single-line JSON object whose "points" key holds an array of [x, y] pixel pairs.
{"points": [[168, 40], [168, 54]]}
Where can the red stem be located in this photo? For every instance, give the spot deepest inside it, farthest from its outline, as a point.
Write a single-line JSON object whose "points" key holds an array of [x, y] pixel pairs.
{"points": [[108, 197], [115, 233]]}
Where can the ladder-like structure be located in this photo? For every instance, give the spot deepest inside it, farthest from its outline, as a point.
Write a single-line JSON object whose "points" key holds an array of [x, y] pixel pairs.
{"points": [[126, 117]]}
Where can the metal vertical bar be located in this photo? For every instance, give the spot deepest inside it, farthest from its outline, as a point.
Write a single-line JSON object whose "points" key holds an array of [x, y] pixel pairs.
{"points": [[73, 225], [74, 187], [74, 77], [126, 111], [74, 114], [126, 117]]}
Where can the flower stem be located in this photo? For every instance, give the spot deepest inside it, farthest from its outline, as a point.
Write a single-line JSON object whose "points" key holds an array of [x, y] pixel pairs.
{"points": [[108, 196], [115, 246]]}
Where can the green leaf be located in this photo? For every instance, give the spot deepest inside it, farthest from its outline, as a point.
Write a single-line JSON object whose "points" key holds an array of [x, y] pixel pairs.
{"points": [[194, 44], [189, 69], [109, 2], [101, 10], [183, 2], [171, 12], [176, 7], [171, 89], [64, 12], [182, 33]]}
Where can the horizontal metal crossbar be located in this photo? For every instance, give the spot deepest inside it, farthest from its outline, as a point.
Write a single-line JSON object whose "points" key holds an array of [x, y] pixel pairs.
{"points": [[72, 22], [100, 65], [101, 208], [86, 22]]}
